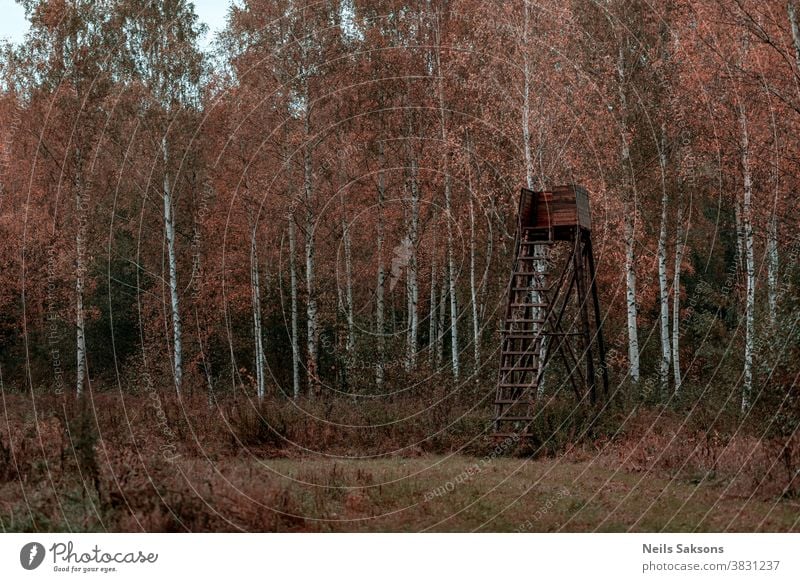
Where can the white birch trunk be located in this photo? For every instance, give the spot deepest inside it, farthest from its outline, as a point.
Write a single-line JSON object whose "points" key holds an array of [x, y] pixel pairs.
{"points": [[476, 344], [169, 227], [630, 294], [540, 265], [442, 320], [792, 9], [311, 299], [80, 273], [350, 344], [663, 287], [772, 269], [257, 330], [740, 252], [380, 291], [295, 310], [747, 229], [451, 281], [526, 98], [432, 328], [411, 271], [676, 302], [476, 341], [451, 268], [630, 227]]}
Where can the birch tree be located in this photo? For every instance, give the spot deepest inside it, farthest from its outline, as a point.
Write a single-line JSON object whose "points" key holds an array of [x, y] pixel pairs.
{"points": [[411, 268], [257, 329], [161, 42], [792, 12], [433, 356], [476, 344], [663, 286], [380, 290], [750, 273], [449, 216], [77, 52], [629, 225], [676, 301], [295, 315], [347, 300]]}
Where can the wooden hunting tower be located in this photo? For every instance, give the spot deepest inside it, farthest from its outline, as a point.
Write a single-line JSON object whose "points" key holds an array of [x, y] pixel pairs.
{"points": [[553, 308]]}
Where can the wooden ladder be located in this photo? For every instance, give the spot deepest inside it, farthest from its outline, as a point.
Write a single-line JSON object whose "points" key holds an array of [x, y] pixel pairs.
{"points": [[523, 330]]}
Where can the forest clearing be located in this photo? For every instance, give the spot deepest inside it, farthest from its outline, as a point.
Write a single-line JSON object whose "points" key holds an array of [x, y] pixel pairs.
{"points": [[400, 265], [238, 474]]}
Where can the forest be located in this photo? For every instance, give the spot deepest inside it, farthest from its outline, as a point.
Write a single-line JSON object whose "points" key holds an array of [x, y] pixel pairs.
{"points": [[260, 286]]}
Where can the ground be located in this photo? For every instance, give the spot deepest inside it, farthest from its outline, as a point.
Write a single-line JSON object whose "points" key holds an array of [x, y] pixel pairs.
{"points": [[427, 493], [470, 494], [98, 470]]}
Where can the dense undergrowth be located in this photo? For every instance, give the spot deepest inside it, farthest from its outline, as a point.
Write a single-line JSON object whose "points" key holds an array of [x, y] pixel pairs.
{"points": [[117, 461]]}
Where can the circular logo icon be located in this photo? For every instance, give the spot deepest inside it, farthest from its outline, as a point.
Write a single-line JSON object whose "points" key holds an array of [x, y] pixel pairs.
{"points": [[31, 555]]}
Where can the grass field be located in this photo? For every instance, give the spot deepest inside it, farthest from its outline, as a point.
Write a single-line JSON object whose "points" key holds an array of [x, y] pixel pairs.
{"points": [[429, 493], [195, 468]]}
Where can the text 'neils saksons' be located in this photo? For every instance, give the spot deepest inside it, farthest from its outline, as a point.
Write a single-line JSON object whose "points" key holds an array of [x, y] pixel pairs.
{"points": [[681, 549]]}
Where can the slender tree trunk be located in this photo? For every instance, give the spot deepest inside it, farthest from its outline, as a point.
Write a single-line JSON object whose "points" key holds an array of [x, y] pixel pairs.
{"points": [[772, 269], [451, 267], [442, 319], [792, 9], [630, 227], [526, 97], [411, 271], [747, 228], [169, 226], [381, 289], [476, 342], [295, 309], [663, 286], [310, 235], [630, 294], [257, 330], [80, 274], [676, 302], [740, 251], [432, 331], [350, 344]]}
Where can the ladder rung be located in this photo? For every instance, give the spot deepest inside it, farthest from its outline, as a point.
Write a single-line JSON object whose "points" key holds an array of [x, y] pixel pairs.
{"points": [[518, 353], [529, 304]]}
